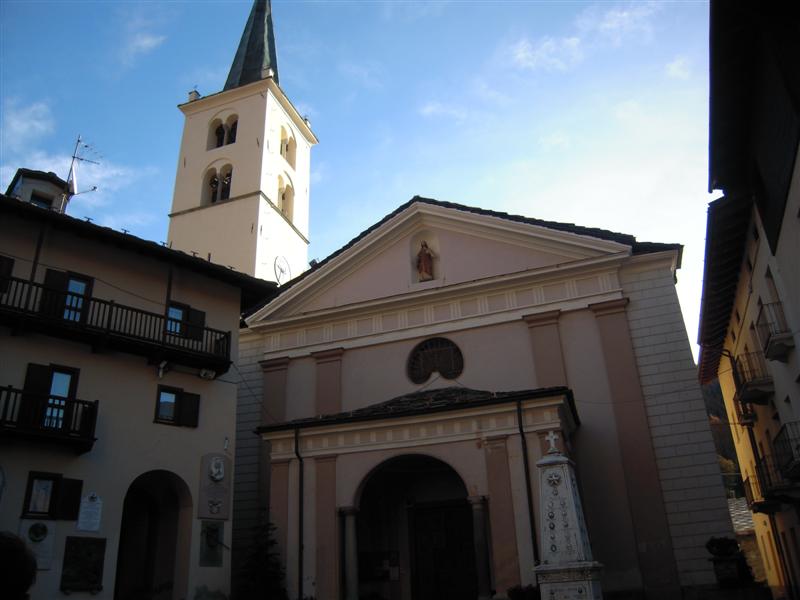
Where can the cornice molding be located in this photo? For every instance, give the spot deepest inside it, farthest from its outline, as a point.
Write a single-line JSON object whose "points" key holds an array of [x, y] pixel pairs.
{"points": [[488, 424], [610, 307]]}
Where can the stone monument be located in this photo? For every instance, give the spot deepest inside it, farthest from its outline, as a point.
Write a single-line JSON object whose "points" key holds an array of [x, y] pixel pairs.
{"points": [[567, 570]]}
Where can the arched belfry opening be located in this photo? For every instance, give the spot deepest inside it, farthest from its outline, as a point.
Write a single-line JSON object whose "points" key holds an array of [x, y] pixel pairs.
{"points": [[415, 533], [155, 537]]}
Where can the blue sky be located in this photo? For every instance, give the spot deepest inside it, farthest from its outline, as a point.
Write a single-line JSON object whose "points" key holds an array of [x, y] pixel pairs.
{"points": [[591, 113]]}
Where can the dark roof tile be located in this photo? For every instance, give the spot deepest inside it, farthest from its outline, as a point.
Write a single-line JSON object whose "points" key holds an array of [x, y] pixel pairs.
{"points": [[422, 402]]}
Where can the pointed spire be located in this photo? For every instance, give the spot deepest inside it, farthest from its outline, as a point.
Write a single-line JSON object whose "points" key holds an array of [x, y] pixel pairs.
{"points": [[256, 53]]}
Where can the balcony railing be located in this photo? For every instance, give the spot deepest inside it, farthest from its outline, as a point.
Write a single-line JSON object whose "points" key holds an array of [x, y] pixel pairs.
{"points": [[753, 379], [773, 331], [106, 323], [770, 487], [787, 450], [59, 419]]}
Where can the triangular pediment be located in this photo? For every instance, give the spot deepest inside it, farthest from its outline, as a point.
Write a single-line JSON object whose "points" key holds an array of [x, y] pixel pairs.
{"points": [[465, 246]]}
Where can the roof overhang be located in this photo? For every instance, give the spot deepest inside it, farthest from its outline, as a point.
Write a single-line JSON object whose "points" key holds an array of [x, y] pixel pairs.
{"points": [[726, 233]]}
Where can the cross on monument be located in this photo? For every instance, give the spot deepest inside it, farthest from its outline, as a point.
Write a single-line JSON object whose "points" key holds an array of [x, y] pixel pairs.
{"points": [[552, 437]]}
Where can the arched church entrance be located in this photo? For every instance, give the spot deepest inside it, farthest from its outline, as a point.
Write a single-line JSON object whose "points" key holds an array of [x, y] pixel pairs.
{"points": [[415, 533], [155, 534]]}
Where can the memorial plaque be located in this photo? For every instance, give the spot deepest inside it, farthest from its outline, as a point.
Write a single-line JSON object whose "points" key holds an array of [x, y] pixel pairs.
{"points": [[40, 536], [213, 538], [90, 512], [215, 483], [82, 570]]}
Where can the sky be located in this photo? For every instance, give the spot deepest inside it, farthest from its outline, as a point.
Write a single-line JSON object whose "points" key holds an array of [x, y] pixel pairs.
{"points": [[579, 112]]}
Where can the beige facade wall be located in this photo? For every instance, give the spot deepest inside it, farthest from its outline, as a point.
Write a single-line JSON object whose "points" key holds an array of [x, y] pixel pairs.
{"points": [[129, 442]]}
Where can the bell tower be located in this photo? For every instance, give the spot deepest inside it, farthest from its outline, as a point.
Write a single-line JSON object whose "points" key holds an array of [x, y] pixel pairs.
{"points": [[242, 186]]}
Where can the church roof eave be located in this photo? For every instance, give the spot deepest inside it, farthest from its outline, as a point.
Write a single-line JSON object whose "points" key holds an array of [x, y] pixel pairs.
{"points": [[426, 402], [610, 237]]}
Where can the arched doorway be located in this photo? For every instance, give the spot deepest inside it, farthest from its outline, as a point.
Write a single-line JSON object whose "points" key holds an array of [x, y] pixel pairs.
{"points": [[415, 533], [155, 535]]}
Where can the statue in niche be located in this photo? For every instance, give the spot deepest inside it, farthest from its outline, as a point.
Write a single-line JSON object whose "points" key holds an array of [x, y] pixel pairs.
{"points": [[425, 262]]}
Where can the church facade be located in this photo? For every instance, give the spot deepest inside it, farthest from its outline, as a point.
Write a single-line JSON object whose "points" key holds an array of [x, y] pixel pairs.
{"points": [[396, 398], [405, 387]]}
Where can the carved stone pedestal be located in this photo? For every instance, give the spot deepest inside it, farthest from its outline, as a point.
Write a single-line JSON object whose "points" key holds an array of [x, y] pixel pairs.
{"points": [[567, 570]]}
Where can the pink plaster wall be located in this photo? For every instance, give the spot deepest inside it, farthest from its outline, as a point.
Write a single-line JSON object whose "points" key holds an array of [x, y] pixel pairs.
{"points": [[496, 358], [461, 258], [597, 453]]}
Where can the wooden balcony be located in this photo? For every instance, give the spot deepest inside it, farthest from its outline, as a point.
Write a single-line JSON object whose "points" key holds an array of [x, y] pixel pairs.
{"points": [[775, 335], [68, 422], [753, 379], [770, 487], [787, 450], [104, 324]]}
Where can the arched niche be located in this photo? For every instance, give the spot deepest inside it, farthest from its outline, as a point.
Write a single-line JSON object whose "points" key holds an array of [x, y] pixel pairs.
{"points": [[288, 146], [286, 196], [425, 257]]}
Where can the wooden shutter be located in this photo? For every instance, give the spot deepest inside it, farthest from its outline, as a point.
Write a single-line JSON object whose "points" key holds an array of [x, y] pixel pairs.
{"points": [[68, 503], [196, 322], [6, 266], [188, 409], [34, 396], [52, 303]]}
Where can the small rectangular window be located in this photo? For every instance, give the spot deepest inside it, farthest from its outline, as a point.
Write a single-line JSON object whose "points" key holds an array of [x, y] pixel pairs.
{"points": [[51, 496], [165, 408], [177, 407], [176, 314], [41, 201], [185, 321], [75, 299]]}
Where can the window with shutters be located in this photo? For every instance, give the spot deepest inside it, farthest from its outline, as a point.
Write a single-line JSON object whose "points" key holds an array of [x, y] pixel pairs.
{"points": [[177, 407], [185, 321], [52, 496], [66, 295], [49, 390]]}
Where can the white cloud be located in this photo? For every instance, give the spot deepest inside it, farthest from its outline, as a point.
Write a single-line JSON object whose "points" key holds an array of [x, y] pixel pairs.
{"points": [[680, 68], [622, 22], [140, 43], [140, 37], [108, 177], [437, 109], [21, 126], [548, 53], [489, 94], [367, 74], [557, 140]]}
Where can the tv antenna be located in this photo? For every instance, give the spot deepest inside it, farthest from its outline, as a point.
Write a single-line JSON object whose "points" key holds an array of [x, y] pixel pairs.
{"points": [[72, 178]]}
